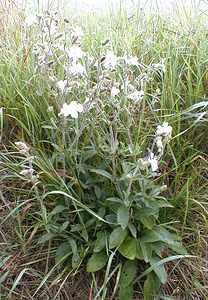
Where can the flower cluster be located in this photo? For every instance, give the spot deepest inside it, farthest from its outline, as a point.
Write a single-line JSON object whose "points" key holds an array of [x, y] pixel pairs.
{"points": [[71, 109], [163, 135], [94, 77], [27, 170]]}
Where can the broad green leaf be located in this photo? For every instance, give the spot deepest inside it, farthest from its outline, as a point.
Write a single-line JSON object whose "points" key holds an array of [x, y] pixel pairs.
{"points": [[73, 246], [147, 211], [128, 248], [114, 199], [157, 233], [117, 237], [101, 212], [97, 191], [149, 236], [158, 247], [101, 241], [58, 209], [178, 248], [148, 222], [148, 289], [88, 154], [123, 216], [159, 270], [151, 286], [46, 237], [97, 261], [85, 235], [63, 251], [126, 293], [133, 230], [164, 235], [128, 273], [102, 173], [77, 258], [112, 218], [63, 226], [163, 203], [139, 252], [147, 251]]}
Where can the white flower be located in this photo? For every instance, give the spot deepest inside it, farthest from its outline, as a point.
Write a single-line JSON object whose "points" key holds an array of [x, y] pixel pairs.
{"points": [[114, 91], [75, 52], [31, 20], [77, 69], [22, 147], [76, 33], [164, 130], [130, 60], [153, 162], [110, 59], [160, 66], [136, 96], [133, 61], [71, 109], [27, 172], [61, 85], [59, 47], [159, 144]]}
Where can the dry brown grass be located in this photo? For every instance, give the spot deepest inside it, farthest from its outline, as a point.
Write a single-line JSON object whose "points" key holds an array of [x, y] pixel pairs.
{"points": [[10, 15]]}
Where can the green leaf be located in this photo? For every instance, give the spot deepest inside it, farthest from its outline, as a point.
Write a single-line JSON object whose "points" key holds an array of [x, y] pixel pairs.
{"points": [[128, 248], [148, 289], [101, 212], [159, 270], [178, 248], [149, 236], [123, 216], [85, 235], [133, 230], [158, 247], [97, 191], [63, 251], [147, 251], [128, 273], [148, 222], [97, 261], [163, 203], [112, 218], [157, 233], [139, 252], [147, 211], [63, 226], [114, 199], [88, 154], [46, 237], [102, 173], [77, 258], [164, 235], [101, 241], [58, 209], [117, 237], [4, 276], [73, 245], [126, 293]]}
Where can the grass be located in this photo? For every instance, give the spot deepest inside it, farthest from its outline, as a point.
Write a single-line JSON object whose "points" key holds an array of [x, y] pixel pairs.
{"points": [[50, 222]]}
